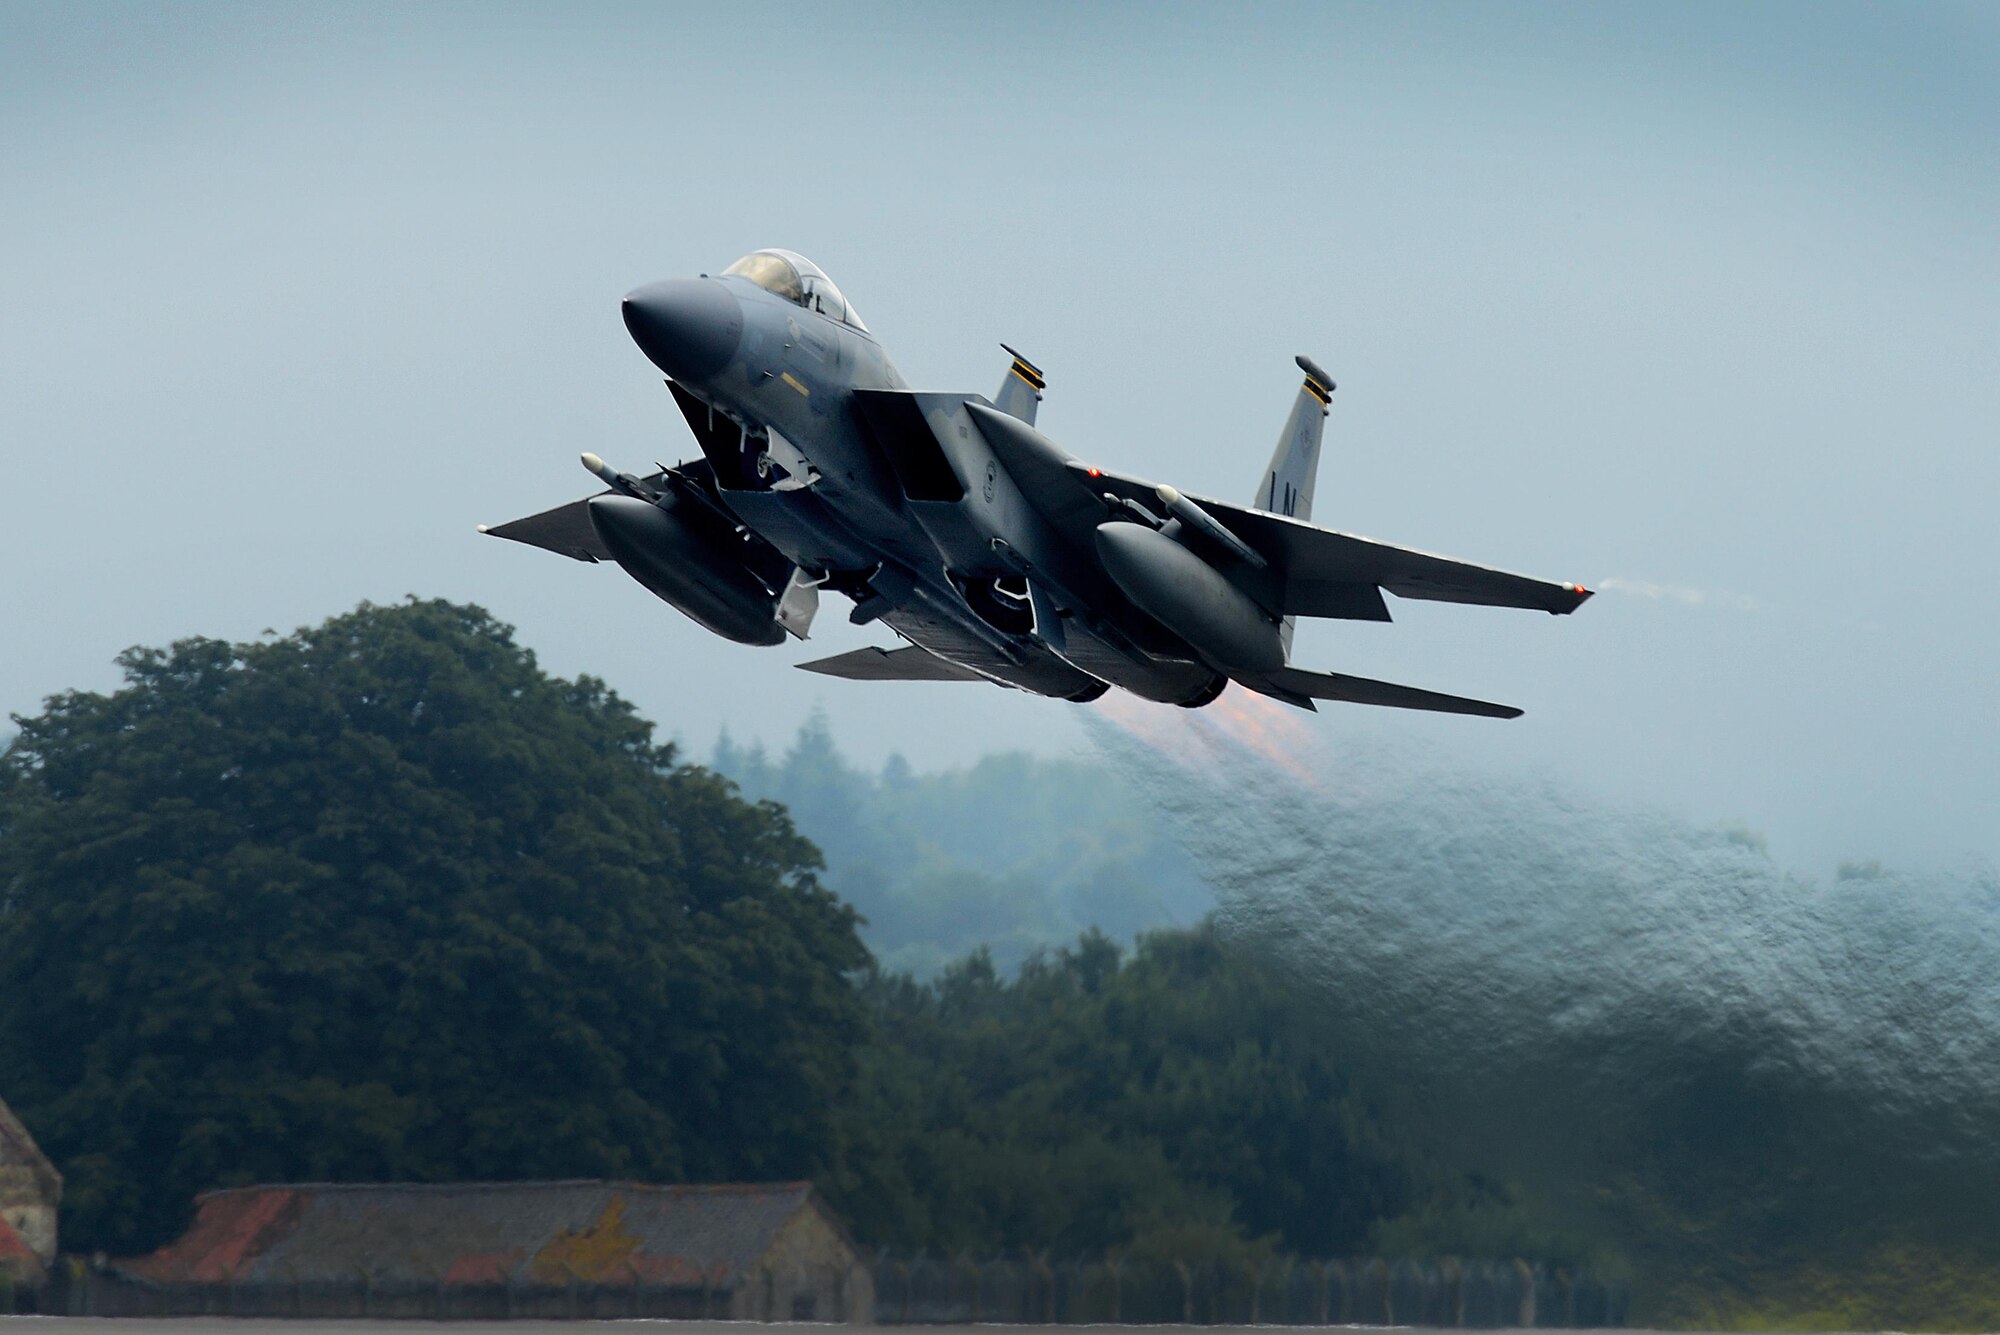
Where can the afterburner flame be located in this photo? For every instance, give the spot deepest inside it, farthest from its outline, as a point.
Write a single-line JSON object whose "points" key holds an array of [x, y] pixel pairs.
{"points": [[1197, 740]]}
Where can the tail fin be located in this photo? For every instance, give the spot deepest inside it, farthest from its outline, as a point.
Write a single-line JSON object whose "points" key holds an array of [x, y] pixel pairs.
{"points": [[1288, 482], [1022, 390]]}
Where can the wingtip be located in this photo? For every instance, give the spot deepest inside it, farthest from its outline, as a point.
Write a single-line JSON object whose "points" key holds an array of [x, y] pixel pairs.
{"points": [[1576, 596]]}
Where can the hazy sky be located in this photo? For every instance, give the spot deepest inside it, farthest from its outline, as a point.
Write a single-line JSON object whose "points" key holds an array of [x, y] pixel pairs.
{"points": [[1698, 304]]}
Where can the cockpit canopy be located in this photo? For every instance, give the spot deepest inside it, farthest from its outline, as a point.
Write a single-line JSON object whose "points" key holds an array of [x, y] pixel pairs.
{"points": [[798, 280]]}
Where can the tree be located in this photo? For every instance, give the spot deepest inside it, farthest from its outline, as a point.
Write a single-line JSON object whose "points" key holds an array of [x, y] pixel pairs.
{"points": [[1182, 1097], [382, 900]]}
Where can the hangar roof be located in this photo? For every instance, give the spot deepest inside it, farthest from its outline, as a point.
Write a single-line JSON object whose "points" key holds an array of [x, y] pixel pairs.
{"points": [[481, 1233]]}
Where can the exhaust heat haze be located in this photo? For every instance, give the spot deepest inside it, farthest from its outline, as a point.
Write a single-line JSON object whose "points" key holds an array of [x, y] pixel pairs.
{"points": [[1583, 996]]}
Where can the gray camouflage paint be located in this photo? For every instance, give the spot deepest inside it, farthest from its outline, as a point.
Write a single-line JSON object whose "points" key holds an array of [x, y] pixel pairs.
{"points": [[951, 520]]}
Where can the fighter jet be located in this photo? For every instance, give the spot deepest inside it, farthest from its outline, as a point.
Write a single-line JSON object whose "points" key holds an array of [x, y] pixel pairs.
{"points": [[995, 555]]}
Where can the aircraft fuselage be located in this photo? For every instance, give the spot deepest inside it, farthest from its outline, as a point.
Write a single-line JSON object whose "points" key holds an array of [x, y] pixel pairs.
{"points": [[946, 572], [952, 520]]}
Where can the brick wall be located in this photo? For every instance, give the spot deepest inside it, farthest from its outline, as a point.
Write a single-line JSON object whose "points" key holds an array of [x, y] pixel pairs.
{"points": [[810, 1272]]}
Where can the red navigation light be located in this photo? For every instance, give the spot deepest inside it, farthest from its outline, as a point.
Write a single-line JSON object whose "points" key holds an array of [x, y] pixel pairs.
{"points": [[1097, 472]]}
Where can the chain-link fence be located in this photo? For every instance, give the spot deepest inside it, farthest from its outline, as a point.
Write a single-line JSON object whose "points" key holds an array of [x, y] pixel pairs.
{"points": [[96, 1294], [1373, 1291], [923, 1289]]}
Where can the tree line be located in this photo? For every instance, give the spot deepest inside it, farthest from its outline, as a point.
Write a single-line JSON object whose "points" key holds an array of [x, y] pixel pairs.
{"points": [[382, 900]]}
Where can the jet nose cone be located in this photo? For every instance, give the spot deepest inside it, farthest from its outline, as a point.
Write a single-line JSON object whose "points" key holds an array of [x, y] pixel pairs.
{"points": [[688, 327]]}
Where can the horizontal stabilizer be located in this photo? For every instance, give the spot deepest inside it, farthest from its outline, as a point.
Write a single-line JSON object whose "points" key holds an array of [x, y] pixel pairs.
{"points": [[906, 664], [1288, 682]]}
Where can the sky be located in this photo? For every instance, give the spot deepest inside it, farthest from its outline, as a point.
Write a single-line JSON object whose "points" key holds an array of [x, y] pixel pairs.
{"points": [[1696, 304]]}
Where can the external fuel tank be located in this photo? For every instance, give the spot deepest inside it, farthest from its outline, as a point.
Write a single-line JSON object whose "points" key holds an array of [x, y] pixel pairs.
{"points": [[1190, 597], [685, 566]]}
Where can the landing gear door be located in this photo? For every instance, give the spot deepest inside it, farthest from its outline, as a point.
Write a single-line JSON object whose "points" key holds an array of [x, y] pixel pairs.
{"points": [[781, 465], [799, 603], [1048, 619]]}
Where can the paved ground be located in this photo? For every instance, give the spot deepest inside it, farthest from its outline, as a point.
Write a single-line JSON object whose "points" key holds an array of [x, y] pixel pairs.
{"points": [[48, 1325]]}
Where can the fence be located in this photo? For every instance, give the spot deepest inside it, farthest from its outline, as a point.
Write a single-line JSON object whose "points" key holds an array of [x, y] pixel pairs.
{"points": [[1370, 1291], [100, 1294], [927, 1290]]}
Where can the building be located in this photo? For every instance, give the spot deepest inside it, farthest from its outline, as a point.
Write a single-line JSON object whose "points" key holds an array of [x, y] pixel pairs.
{"points": [[742, 1251], [30, 1189]]}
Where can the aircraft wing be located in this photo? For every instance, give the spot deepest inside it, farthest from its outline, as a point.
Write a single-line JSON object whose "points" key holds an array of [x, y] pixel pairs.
{"points": [[565, 530], [906, 664], [1327, 573]]}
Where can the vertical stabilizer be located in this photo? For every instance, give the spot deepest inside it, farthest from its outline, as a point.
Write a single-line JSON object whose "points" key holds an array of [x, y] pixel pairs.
{"points": [[1021, 391], [1287, 487], [1288, 482]]}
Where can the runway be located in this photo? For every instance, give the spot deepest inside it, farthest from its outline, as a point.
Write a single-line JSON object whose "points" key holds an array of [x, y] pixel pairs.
{"points": [[50, 1325]]}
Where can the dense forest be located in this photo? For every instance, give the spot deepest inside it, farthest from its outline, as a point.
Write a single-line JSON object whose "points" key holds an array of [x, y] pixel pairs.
{"points": [[383, 900]]}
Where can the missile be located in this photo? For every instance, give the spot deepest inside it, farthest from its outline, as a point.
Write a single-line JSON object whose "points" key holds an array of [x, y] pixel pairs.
{"points": [[623, 483], [1132, 510], [1185, 510], [1191, 598]]}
